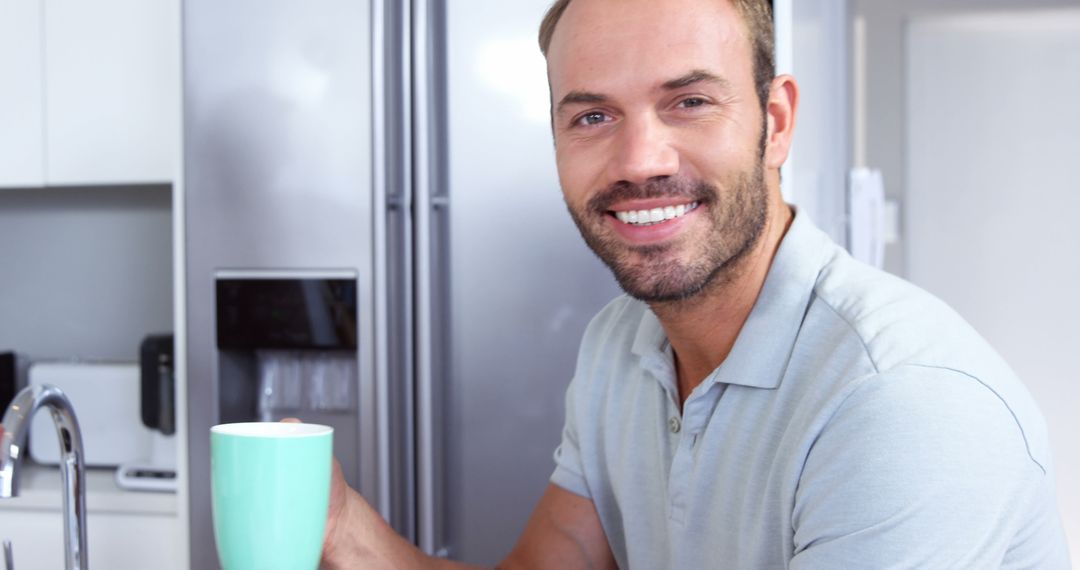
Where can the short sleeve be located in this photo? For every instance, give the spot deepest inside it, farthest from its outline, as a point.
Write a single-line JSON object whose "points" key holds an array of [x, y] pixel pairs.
{"points": [[569, 471], [918, 467]]}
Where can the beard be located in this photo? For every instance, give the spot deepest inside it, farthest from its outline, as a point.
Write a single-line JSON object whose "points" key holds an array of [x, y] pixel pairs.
{"points": [[684, 267]]}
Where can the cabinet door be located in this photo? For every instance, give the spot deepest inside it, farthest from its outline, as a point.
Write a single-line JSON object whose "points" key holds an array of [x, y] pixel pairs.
{"points": [[112, 91], [114, 541], [21, 147]]}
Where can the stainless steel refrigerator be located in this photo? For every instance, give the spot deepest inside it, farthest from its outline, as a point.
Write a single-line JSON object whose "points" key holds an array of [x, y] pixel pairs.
{"points": [[375, 239]]}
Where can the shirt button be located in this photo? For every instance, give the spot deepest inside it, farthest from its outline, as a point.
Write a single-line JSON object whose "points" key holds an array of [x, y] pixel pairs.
{"points": [[674, 424]]}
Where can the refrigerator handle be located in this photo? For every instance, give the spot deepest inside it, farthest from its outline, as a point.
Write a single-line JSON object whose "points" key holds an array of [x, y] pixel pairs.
{"points": [[429, 534], [375, 482], [394, 265]]}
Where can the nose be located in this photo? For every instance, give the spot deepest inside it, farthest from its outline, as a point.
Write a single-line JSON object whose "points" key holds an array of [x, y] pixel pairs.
{"points": [[644, 151]]}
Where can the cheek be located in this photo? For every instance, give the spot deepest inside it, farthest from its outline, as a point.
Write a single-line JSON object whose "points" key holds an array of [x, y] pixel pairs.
{"points": [[577, 174], [718, 156]]}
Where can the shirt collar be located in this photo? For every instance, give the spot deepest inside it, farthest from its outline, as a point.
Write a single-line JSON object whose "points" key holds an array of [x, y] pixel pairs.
{"points": [[762, 350]]}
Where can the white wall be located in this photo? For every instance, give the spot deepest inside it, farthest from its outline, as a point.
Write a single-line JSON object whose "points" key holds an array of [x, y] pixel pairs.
{"points": [[992, 146], [884, 89], [816, 172]]}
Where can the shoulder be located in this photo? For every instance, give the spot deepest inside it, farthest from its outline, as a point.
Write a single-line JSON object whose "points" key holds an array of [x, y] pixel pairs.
{"points": [[612, 332], [927, 361], [897, 321], [609, 355], [939, 416]]}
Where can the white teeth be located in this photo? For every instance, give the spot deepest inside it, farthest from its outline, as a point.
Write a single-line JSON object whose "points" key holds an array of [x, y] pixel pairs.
{"points": [[655, 215]]}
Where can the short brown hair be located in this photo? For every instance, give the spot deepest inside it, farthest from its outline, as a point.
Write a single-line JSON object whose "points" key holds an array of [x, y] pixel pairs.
{"points": [[757, 14]]}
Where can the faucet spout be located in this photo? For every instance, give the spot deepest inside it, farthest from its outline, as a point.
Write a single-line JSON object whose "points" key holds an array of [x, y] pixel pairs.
{"points": [[16, 424]]}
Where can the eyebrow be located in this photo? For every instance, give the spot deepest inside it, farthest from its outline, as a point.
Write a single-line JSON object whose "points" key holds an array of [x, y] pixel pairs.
{"points": [[581, 98], [695, 76]]}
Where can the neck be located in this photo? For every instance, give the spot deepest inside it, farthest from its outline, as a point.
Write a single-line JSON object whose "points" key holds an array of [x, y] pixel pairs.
{"points": [[702, 330]]}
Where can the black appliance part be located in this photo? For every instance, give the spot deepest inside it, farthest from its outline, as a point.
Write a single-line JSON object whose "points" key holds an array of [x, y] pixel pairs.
{"points": [[286, 314], [157, 383], [9, 379]]}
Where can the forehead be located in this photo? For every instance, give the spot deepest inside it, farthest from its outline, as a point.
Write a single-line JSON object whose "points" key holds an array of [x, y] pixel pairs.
{"points": [[607, 46]]}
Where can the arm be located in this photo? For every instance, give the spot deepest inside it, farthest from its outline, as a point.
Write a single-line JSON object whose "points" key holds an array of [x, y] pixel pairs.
{"points": [[564, 532]]}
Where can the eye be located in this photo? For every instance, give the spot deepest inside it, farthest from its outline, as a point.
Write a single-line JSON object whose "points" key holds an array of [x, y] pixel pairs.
{"points": [[591, 118], [691, 102]]}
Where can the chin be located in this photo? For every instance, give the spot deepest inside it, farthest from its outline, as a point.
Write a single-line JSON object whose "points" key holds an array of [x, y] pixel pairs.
{"points": [[663, 282]]}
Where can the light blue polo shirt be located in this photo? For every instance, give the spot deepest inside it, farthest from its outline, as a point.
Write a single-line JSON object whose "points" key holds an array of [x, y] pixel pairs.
{"points": [[857, 423]]}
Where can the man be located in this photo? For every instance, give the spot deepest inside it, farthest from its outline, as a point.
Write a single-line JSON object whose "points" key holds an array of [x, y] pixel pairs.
{"points": [[759, 399]]}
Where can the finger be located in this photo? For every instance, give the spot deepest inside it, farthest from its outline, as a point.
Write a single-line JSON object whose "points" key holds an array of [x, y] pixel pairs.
{"points": [[291, 421]]}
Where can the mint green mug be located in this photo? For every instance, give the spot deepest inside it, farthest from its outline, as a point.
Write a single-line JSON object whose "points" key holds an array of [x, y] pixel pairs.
{"points": [[270, 488]]}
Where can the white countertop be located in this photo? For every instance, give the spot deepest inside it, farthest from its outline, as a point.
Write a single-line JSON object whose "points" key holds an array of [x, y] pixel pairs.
{"points": [[39, 489]]}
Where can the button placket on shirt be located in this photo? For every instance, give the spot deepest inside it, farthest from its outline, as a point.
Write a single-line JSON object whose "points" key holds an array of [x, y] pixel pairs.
{"points": [[688, 428], [682, 466]]}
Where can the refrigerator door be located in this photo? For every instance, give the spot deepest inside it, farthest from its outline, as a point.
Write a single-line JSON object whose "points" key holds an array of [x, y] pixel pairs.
{"points": [[505, 282], [279, 181]]}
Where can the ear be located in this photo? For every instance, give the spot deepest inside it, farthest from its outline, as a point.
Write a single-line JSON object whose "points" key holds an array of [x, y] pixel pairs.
{"points": [[780, 116]]}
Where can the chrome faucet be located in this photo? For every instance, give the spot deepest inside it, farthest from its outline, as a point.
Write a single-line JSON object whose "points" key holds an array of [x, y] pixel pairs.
{"points": [[16, 423]]}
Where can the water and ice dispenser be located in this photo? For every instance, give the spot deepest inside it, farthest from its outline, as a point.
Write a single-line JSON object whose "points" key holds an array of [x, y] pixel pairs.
{"points": [[287, 347]]}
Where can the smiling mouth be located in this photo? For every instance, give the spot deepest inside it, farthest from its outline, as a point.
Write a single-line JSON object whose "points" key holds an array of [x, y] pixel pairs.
{"points": [[654, 215]]}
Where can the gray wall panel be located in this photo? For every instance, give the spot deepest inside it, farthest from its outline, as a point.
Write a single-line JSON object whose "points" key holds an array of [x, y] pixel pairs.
{"points": [[87, 272]]}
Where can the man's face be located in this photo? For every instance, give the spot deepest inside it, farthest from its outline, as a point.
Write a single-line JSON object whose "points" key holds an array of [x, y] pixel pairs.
{"points": [[658, 138]]}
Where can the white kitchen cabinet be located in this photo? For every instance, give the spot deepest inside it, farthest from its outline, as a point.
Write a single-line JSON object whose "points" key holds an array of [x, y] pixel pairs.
{"points": [[117, 541], [126, 530], [112, 91], [89, 92], [21, 95]]}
